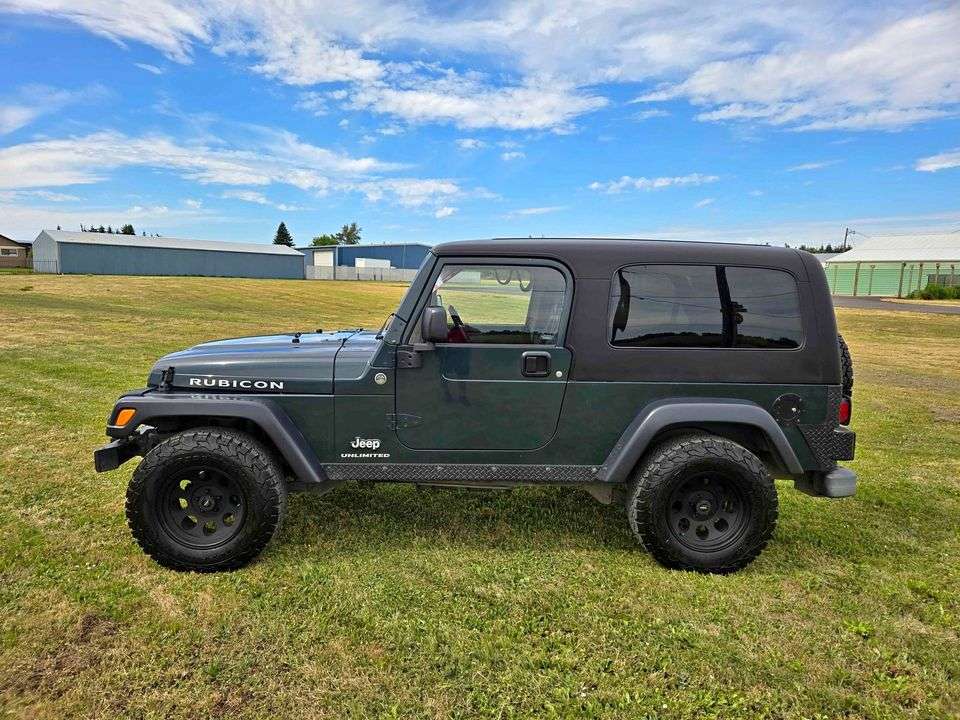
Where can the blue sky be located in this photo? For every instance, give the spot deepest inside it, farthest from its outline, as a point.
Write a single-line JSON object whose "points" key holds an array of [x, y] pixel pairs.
{"points": [[434, 121]]}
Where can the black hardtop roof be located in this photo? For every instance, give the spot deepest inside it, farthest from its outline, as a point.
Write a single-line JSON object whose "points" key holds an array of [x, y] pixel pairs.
{"points": [[597, 257]]}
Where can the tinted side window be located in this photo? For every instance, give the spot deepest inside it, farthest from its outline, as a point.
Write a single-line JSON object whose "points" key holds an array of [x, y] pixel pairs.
{"points": [[703, 306], [765, 307], [667, 306]]}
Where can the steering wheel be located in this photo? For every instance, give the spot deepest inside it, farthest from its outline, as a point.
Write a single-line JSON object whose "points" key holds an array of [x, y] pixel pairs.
{"points": [[459, 331]]}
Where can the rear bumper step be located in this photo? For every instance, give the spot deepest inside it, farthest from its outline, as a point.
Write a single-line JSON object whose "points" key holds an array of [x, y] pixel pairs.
{"points": [[839, 482]]}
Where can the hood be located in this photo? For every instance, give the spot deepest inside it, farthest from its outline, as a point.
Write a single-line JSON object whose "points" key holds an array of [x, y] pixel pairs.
{"points": [[285, 363]]}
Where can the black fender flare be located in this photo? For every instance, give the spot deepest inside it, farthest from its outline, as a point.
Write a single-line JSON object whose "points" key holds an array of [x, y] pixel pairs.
{"points": [[287, 438], [675, 412]]}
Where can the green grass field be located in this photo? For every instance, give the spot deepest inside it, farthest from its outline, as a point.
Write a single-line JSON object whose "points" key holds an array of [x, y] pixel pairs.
{"points": [[393, 602]]}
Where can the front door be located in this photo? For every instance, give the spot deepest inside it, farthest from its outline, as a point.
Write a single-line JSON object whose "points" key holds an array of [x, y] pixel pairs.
{"points": [[497, 383]]}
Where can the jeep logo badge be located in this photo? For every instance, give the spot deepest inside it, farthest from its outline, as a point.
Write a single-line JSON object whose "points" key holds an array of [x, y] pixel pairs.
{"points": [[366, 443], [364, 449]]}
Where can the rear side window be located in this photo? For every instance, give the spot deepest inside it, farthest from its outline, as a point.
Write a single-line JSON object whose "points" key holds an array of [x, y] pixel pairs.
{"points": [[704, 306]]}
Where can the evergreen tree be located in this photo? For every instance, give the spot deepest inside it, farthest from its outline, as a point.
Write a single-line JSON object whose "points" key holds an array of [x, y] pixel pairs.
{"points": [[127, 230], [283, 236]]}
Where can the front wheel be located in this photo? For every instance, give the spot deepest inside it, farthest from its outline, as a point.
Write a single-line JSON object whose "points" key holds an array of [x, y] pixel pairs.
{"points": [[206, 499], [703, 503]]}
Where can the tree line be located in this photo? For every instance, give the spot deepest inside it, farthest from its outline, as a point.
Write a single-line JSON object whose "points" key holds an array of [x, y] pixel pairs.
{"points": [[346, 235], [122, 230], [828, 248]]}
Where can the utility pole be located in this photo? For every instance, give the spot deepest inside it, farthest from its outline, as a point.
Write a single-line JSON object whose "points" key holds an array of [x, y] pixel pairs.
{"points": [[847, 232]]}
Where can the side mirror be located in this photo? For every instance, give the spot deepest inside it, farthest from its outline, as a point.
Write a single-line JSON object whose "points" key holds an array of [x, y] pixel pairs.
{"points": [[433, 324]]}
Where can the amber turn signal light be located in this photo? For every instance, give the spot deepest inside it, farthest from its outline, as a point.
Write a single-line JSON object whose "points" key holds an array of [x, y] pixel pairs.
{"points": [[124, 416]]}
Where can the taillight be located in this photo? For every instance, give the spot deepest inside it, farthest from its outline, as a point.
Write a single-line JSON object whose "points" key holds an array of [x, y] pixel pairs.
{"points": [[846, 409]]}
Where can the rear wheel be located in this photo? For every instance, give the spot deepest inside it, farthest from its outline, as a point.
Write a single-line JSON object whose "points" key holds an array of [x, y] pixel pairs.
{"points": [[703, 503], [206, 499]]}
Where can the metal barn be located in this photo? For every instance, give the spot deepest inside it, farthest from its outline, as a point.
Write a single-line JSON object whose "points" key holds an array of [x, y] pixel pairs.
{"points": [[895, 265], [404, 256], [56, 251]]}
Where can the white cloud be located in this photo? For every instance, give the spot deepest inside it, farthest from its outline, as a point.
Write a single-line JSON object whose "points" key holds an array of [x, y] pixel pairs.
{"points": [[648, 114], [29, 102], [258, 198], [312, 102], [408, 192], [165, 25], [943, 161], [469, 101], [14, 117], [803, 66], [812, 165], [470, 143], [153, 69], [756, 193], [512, 155], [193, 203], [444, 212], [14, 195], [279, 157], [627, 182], [892, 71], [544, 210], [705, 202], [268, 158]]}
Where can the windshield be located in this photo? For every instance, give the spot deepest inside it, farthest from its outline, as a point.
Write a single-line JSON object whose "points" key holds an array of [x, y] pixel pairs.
{"points": [[394, 325]]}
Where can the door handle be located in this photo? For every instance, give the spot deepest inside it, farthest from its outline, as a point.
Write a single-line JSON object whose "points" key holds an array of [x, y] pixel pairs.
{"points": [[535, 364]]}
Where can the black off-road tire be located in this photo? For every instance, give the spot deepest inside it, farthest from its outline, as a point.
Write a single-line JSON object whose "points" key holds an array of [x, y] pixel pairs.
{"points": [[712, 485], [235, 476], [846, 366]]}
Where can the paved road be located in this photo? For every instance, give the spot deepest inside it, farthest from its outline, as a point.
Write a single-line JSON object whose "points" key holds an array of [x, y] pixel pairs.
{"points": [[868, 303]]}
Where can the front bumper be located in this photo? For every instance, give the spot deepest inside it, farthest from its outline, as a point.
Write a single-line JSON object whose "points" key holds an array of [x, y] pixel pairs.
{"points": [[837, 483], [114, 454]]}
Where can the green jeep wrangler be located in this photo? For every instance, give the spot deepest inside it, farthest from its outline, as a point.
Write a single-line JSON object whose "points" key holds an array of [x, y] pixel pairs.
{"points": [[677, 378]]}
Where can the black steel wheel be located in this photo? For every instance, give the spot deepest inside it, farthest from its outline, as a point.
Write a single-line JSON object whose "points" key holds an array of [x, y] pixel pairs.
{"points": [[206, 499], [202, 506], [707, 512], [703, 503]]}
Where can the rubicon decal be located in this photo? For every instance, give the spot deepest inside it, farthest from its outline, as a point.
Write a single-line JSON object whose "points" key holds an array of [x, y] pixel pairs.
{"points": [[360, 444], [235, 383]]}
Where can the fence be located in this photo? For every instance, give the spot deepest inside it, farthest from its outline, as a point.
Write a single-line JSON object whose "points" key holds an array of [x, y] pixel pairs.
{"points": [[889, 279], [319, 272]]}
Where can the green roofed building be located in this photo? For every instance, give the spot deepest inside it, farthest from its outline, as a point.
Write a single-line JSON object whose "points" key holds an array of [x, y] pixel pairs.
{"points": [[895, 265]]}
